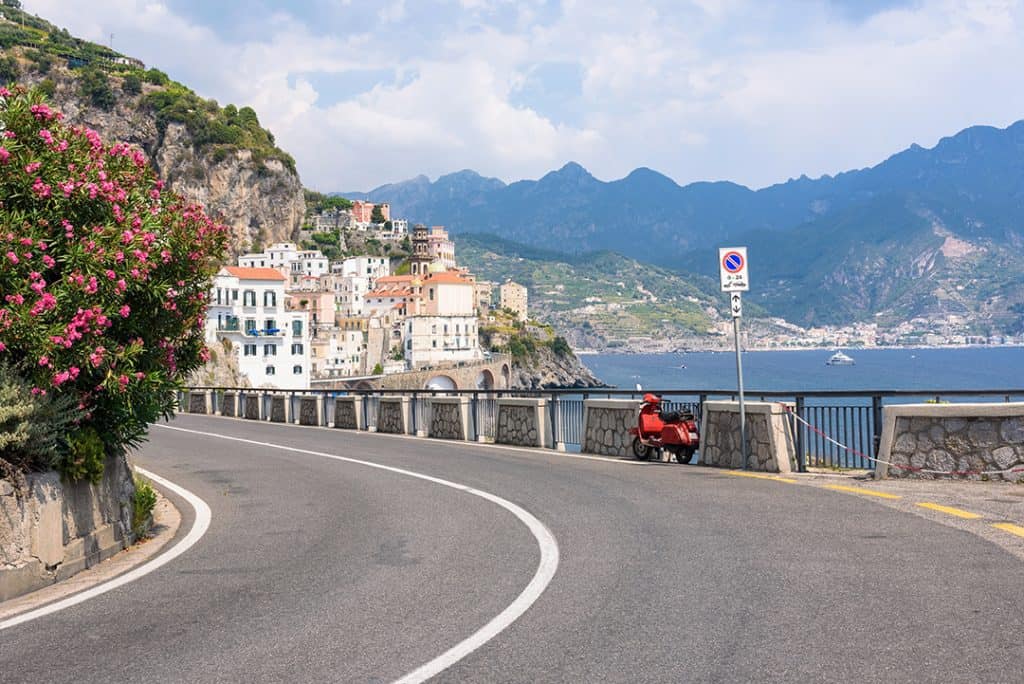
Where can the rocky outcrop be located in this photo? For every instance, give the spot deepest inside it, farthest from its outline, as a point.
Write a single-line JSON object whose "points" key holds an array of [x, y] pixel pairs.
{"points": [[547, 370], [261, 200]]}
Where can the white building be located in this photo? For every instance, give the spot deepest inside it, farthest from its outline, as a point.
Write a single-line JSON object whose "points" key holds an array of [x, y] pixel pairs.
{"points": [[270, 343], [434, 340], [337, 353], [368, 266], [301, 266], [513, 297]]}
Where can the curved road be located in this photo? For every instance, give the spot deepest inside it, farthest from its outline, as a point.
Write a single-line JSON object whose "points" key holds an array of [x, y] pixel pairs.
{"points": [[323, 570]]}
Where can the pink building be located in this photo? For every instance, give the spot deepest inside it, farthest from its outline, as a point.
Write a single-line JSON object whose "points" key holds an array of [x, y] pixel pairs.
{"points": [[362, 212]]}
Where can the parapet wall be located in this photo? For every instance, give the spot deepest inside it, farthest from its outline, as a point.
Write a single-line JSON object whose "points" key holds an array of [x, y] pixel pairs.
{"points": [[606, 424], [53, 529], [523, 422], [964, 440], [770, 444], [449, 418]]}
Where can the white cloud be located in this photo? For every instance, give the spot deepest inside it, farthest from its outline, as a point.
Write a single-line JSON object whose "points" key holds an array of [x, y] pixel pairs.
{"points": [[733, 89]]}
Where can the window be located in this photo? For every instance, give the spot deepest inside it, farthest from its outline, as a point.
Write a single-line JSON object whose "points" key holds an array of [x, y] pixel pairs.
{"points": [[270, 370], [270, 350], [250, 325], [234, 295], [296, 349], [296, 370], [269, 298], [270, 324], [433, 329], [249, 298], [433, 343], [250, 350], [296, 328], [431, 292]]}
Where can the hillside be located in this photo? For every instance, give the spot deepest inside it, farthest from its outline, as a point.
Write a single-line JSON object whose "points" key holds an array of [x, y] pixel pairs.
{"points": [[604, 300], [220, 157], [927, 232]]}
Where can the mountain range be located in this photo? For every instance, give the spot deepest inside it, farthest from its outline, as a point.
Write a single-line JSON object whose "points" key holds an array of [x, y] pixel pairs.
{"points": [[927, 232]]}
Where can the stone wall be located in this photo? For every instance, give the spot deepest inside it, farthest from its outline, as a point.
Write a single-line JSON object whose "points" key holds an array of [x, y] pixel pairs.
{"points": [[279, 408], [253, 406], [523, 422], [770, 443], [606, 424], [199, 402], [393, 415], [348, 413], [449, 418], [229, 404], [310, 411], [53, 529], [968, 439]]}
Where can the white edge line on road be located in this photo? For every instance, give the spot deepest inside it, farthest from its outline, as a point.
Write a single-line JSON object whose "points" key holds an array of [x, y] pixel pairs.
{"points": [[546, 569], [199, 527]]}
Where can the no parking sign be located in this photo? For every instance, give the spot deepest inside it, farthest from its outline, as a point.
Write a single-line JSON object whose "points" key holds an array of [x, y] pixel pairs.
{"points": [[732, 268]]}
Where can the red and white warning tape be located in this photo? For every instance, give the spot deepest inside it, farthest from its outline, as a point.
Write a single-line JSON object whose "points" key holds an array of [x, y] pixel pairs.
{"points": [[898, 466]]}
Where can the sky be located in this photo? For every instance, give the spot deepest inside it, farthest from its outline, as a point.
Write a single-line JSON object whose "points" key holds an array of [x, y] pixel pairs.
{"points": [[365, 93]]}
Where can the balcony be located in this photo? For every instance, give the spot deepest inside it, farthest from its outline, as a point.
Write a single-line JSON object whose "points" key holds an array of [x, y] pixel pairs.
{"points": [[227, 326]]}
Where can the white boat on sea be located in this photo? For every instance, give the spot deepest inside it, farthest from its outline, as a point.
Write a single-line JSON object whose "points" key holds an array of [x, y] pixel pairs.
{"points": [[840, 359]]}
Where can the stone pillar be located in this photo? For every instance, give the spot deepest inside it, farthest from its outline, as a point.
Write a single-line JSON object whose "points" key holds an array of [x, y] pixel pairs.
{"points": [[252, 408], [393, 415], [449, 418], [198, 401], [523, 422], [348, 413], [311, 410], [229, 404], [280, 408], [771, 447], [606, 424], [979, 441]]}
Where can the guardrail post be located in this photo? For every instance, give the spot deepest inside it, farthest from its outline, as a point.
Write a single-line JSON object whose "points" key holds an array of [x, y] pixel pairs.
{"points": [[876, 427], [557, 433], [801, 457]]}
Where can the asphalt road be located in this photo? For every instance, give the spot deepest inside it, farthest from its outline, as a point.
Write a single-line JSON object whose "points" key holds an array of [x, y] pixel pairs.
{"points": [[322, 570]]}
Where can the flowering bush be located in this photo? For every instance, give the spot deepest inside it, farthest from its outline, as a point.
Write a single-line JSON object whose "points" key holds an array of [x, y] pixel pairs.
{"points": [[103, 275]]}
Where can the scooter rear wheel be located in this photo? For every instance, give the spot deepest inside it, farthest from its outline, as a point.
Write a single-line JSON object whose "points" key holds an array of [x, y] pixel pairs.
{"points": [[684, 455], [641, 450]]}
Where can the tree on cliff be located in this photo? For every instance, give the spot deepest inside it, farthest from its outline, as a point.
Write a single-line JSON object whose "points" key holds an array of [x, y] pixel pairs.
{"points": [[104, 281]]}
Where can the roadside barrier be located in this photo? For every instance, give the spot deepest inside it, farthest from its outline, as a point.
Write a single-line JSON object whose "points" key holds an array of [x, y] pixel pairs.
{"points": [[898, 466]]}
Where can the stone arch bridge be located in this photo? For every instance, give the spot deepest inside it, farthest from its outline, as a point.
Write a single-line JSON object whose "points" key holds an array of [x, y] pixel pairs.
{"points": [[493, 373]]}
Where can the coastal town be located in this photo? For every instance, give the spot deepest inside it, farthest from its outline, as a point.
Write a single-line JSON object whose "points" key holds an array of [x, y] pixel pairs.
{"points": [[288, 316]]}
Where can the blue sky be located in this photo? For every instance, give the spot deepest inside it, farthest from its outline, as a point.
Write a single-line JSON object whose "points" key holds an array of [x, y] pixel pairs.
{"points": [[364, 93]]}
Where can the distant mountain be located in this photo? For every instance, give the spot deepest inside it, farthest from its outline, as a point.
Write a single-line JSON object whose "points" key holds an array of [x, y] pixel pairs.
{"points": [[926, 232]]}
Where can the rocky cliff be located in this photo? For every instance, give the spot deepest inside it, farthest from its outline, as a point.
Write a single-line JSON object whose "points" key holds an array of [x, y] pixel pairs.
{"points": [[547, 370], [259, 196]]}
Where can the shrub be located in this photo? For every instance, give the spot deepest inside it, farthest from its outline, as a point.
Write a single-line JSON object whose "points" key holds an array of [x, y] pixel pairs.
{"points": [[104, 276], [85, 457], [33, 428], [132, 84], [560, 347], [378, 370], [95, 85], [9, 69], [143, 503], [47, 87], [156, 77]]}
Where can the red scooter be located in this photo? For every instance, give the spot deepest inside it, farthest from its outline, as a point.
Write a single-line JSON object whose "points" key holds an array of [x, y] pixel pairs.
{"points": [[673, 431]]}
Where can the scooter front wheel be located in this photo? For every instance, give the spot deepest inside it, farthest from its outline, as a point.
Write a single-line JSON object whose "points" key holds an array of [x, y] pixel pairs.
{"points": [[684, 454], [641, 450]]}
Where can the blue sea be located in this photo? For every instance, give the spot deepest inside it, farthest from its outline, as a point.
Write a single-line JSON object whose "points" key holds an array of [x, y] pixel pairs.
{"points": [[928, 370]]}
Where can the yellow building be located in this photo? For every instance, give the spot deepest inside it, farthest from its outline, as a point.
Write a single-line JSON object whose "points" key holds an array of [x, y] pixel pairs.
{"points": [[513, 296]]}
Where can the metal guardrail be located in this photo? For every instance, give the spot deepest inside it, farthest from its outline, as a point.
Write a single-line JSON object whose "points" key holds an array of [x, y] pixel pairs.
{"points": [[851, 418]]}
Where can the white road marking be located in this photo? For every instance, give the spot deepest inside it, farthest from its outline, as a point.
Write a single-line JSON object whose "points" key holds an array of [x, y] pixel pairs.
{"points": [[541, 579], [199, 527]]}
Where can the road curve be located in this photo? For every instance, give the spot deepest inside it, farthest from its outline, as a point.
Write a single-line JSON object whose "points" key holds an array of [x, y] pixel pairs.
{"points": [[323, 570]]}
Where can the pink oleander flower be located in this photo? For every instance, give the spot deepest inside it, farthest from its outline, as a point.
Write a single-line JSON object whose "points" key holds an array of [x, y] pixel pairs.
{"points": [[12, 257], [48, 261], [3, 347], [46, 136], [44, 361], [33, 167], [40, 188], [125, 311], [41, 112], [123, 381], [4, 155]]}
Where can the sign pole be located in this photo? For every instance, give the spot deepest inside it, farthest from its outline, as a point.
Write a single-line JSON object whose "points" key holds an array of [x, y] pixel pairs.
{"points": [[739, 383], [732, 263]]}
